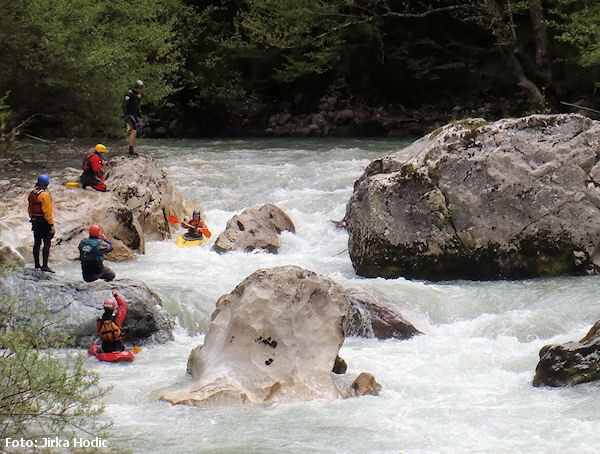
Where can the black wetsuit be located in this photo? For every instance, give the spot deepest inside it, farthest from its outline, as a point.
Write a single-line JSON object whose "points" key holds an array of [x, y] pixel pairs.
{"points": [[132, 109]]}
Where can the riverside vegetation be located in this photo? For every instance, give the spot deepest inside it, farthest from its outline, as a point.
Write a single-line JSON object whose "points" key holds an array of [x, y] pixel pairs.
{"points": [[367, 67], [44, 391]]}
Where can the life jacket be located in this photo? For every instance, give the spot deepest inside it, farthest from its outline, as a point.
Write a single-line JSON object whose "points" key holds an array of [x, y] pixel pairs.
{"points": [[110, 331], [35, 204], [88, 251]]}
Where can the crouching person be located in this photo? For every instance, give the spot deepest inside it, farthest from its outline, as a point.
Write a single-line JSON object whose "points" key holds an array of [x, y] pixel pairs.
{"points": [[91, 255]]}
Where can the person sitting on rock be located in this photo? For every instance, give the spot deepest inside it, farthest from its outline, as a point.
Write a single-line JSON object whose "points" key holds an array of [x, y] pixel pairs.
{"points": [[196, 228], [91, 255], [92, 165], [109, 325]]}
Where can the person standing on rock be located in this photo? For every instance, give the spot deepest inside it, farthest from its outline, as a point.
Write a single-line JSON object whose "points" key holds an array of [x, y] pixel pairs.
{"points": [[91, 255], [92, 166], [109, 325], [42, 221], [133, 113]]}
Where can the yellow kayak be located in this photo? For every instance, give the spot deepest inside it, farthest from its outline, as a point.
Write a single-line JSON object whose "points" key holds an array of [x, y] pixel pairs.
{"points": [[181, 241]]}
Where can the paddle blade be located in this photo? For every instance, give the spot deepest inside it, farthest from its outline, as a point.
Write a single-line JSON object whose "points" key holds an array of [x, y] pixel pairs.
{"points": [[72, 184], [173, 219], [136, 349]]}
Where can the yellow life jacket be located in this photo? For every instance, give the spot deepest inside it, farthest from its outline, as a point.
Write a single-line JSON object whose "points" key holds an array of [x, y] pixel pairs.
{"points": [[110, 331]]}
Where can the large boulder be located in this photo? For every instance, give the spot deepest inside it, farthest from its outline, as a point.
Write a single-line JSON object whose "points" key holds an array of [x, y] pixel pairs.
{"points": [[371, 315], [129, 213], [516, 198], [148, 193], [571, 363], [274, 337], [73, 307], [255, 229]]}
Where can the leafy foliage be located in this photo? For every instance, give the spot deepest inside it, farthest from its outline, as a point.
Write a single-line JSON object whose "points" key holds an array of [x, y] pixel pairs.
{"points": [[72, 60], [43, 391], [211, 64]]}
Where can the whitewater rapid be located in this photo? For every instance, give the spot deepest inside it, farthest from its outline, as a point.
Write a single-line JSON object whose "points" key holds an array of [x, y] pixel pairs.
{"points": [[462, 387]]}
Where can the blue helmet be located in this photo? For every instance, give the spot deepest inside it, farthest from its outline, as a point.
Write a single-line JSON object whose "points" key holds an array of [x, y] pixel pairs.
{"points": [[44, 179]]}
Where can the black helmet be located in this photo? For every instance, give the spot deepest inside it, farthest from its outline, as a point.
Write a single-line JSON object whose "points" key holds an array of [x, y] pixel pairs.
{"points": [[139, 84], [196, 213]]}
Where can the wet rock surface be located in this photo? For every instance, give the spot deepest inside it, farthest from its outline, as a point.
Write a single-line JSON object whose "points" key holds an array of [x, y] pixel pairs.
{"points": [[73, 307], [571, 363]]}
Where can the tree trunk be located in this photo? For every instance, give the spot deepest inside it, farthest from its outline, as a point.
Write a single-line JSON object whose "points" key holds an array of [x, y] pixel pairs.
{"points": [[543, 59], [509, 47]]}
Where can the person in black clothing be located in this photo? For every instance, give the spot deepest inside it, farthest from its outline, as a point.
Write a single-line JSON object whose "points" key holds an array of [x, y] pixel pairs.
{"points": [[133, 113]]}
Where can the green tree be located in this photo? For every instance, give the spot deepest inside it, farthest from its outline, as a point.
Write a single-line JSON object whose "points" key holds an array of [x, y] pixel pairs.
{"points": [[375, 51], [578, 25], [70, 61]]}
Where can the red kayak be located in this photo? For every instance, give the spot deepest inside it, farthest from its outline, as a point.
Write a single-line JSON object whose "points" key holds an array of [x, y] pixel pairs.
{"points": [[111, 357]]}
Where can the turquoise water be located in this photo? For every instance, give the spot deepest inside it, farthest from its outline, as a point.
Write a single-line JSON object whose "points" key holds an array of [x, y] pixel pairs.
{"points": [[463, 387]]}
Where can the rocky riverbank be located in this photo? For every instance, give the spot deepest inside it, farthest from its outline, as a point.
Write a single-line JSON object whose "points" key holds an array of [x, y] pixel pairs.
{"points": [[135, 208]]}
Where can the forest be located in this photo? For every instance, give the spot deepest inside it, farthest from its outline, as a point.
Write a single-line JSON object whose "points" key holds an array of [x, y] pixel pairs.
{"points": [[234, 67]]}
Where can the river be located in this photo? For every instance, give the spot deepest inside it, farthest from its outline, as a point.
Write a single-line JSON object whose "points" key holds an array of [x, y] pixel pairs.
{"points": [[462, 387]]}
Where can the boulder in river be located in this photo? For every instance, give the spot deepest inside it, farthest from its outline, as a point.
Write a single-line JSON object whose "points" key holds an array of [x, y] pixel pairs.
{"points": [[255, 229], [148, 193], [73, 307], [516, 198], [371, 315], [274, 337], [571, 363]]}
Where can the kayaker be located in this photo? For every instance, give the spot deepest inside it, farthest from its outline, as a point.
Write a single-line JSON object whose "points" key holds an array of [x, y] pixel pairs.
{"points": [[92, 165], [42, 221], [91, 255], [196, 228], [109, 325], [133, 113]]}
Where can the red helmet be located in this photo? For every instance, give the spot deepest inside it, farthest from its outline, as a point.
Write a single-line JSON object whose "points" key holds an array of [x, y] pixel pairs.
{"points": [[95, 230], [109, 304]]}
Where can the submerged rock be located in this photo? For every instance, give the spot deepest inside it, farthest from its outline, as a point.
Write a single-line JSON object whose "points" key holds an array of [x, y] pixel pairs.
{"points": [[255, 229], [73, 307], [274, 337], [370, 315], [516, 198], [571, 363], [365, 384]]}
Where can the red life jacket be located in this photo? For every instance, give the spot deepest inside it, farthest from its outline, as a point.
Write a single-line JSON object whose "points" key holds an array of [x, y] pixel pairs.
{"points": [[35, 205]]}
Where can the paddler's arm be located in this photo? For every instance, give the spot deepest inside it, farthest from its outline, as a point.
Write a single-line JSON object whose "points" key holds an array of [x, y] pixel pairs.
{"points": [[122, 308], [204, 230]]}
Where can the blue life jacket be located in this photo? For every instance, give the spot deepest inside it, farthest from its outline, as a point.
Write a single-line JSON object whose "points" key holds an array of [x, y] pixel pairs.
{"points": [[88, 251]]}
